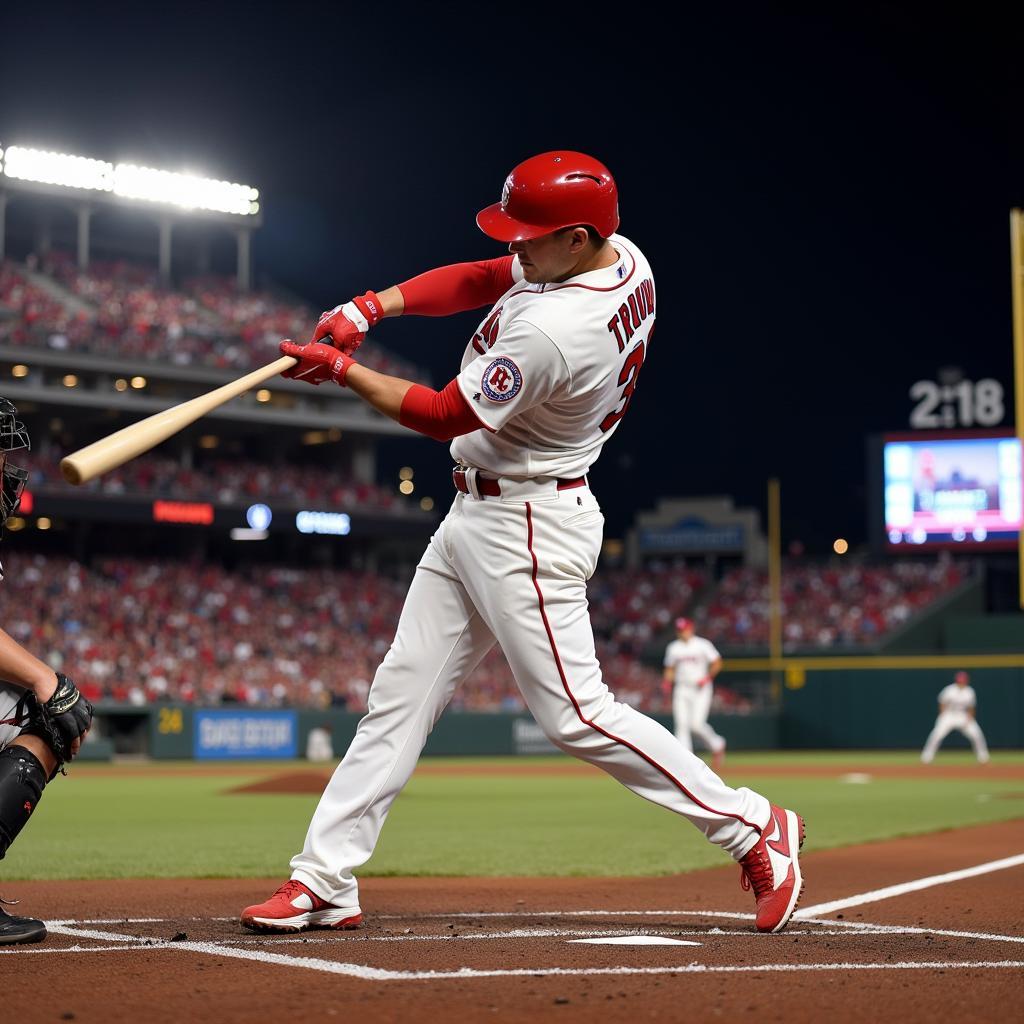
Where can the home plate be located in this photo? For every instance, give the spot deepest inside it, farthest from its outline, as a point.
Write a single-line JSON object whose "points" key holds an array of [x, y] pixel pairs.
{"points": [[636, 940]]}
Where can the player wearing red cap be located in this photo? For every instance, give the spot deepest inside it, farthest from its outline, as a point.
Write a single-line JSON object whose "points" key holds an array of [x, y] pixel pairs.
{"points": [[545, 380], [691, 664]]}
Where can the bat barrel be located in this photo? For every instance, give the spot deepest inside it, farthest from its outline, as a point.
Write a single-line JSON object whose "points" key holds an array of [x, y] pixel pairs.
{"points": [[118, 448], [71, 470]]}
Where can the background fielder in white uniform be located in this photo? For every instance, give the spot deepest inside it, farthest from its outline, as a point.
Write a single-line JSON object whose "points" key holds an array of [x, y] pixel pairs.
{"points": [[544, 382], [957, 709], [691, 664]]}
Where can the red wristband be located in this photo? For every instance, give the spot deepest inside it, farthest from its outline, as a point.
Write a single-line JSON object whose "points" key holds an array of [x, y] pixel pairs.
{"points": [[339, 368], [370, 306]]}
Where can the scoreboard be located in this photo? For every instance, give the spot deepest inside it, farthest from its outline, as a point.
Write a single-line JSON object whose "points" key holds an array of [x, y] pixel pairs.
{"points": [[952, 489]]}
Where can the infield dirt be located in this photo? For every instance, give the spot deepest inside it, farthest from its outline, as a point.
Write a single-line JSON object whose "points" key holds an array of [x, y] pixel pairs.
{"points": [[194, 962]]}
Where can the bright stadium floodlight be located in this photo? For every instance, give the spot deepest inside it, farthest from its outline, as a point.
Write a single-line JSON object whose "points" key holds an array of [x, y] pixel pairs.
{"points": [[64, 169], [186, 190]]}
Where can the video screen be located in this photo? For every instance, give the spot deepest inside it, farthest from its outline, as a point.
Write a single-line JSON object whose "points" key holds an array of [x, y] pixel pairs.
{"points": [[953, 491]]}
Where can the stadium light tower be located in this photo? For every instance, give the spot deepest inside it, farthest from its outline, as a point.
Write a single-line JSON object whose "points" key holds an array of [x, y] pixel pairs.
{"points": [[1017, 285], [166, 196]]}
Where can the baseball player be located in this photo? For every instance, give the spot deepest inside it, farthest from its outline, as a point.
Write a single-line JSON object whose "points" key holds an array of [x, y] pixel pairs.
{"points": [[691, 664], [43, 718], [957, 710], [545, 380]]}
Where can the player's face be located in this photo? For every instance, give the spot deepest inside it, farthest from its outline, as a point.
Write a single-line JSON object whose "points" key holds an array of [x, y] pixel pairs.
{"points": [[686, 633], [551, 257]]}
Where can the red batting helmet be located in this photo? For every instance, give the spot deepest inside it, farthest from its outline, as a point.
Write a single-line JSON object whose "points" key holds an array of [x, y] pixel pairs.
{"points": [[682, 624], [551, 191]]}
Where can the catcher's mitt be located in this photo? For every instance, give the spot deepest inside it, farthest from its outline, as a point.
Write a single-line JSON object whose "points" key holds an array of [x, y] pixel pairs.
{"points": [[62, 719]]}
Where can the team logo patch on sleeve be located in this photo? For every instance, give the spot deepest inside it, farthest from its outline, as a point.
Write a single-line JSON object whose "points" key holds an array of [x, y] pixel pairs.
{"points": [[502, 380]]}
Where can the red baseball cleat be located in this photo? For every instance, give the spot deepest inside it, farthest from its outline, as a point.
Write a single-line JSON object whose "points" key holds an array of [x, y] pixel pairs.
{"points": [[294, 908], [772, 869]]}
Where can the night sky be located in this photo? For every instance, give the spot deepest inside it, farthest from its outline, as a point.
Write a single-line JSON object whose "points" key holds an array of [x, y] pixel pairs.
{"points": [[823, 198]]}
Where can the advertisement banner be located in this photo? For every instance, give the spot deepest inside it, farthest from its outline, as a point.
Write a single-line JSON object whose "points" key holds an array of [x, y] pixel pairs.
{"points": [[245, 734], [693, 535], [529, 738]]}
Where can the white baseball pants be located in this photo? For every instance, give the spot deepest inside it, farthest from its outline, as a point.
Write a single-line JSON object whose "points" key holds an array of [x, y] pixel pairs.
{"points": [[690, 708], [512, 570], [945, 724]]}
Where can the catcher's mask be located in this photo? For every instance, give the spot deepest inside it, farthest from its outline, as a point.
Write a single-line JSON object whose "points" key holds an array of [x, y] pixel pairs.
{"points": [[13, 436]]}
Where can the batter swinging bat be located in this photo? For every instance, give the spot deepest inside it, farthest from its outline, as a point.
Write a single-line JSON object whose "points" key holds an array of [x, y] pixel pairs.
{"points": [[115, 450]]}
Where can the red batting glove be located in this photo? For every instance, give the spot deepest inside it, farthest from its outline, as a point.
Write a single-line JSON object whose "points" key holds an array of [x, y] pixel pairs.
{"points": [[706, 681], [316, 363], [345, 326]]}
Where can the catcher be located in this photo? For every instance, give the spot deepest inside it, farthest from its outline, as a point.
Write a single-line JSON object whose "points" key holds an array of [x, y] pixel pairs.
{"points": [[43, 717]]}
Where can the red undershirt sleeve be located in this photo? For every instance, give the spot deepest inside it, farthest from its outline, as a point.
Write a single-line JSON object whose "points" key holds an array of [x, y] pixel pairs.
{"points": [[458, 287], [441, 415]]}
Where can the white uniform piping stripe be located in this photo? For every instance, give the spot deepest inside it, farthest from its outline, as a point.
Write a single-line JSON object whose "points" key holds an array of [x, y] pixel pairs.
{"points": [[579, 714]]}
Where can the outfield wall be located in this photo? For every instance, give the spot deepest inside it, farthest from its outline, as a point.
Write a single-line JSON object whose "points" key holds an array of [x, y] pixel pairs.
{"points": [[879, 708], [171, 731], [837, 707]]}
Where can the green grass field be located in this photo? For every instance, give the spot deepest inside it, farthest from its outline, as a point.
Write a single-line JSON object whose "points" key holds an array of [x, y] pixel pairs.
{"points": [[105, 823]]}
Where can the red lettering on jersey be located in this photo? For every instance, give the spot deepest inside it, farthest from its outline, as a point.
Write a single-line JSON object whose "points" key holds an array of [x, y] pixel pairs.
{"points": [[648, 289], [628, 376], [637, 319], [632, 313], [627, 323], [488, 334], [613, 326], [641, 301]]}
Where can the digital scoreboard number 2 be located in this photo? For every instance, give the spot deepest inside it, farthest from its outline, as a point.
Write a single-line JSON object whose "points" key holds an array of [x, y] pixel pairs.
{"points": [[964, 404]]}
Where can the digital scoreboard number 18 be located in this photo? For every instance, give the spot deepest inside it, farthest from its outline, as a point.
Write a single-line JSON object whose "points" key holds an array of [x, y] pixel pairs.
{"points": [[963, 404]]}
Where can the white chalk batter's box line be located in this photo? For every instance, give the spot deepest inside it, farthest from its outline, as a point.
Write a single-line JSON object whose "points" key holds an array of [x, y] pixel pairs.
{"points": [[229, 948], [226, 950], [828, 929]]}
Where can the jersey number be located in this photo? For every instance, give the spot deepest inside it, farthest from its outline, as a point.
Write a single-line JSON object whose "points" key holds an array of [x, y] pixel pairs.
{"points": [[628, 377]]}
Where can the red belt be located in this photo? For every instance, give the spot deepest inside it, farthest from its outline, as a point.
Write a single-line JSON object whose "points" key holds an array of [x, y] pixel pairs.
{"points": [[489, 486]]}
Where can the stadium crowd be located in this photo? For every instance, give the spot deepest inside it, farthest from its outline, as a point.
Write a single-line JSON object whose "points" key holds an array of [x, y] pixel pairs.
{"points": [[221, 481], [841, 605], [24, 305], [123, 310], [136, 631]]}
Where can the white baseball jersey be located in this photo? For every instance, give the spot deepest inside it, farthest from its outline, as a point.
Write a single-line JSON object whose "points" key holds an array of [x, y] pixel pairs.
{"points": [[552, 369], [957, 698], [691, 659]]}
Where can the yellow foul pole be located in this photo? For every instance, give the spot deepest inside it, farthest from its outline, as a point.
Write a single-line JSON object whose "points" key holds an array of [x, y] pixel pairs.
{"points": [[1017, 279]]}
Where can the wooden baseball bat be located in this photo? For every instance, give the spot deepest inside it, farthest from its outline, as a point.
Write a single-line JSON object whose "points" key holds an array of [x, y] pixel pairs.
{"points": [[116, 449]]}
